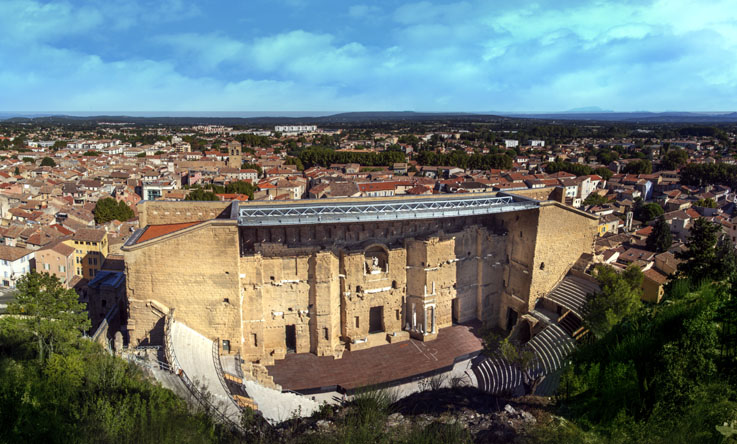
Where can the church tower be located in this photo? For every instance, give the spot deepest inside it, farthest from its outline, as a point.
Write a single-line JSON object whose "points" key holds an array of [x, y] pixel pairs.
{"points": [[235, 157]]}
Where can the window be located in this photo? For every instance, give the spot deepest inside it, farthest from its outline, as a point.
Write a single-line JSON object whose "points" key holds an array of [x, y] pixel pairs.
{"points": [[46, 267], [79, 260], [357, 323], [325, 333], [255, 340], [62, 269], [226, 345], [79, 271]]}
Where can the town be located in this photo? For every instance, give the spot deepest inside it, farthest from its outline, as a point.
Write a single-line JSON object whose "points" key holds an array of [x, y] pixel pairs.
{"points": [[69, 196], [266, 265]]}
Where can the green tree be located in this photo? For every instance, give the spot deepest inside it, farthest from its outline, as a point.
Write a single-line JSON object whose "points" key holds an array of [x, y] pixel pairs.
{"points": [[241, 187], [595, 199], [639, 167], [706, 203], [108, 209], [199, 194], [699, 259], [619, 297], [294, 161], [92, 153], [648, 212], [48, 161], [16, 172], [660, 239], [51, 313], [141, 155], [674, 159], [605, 173]]}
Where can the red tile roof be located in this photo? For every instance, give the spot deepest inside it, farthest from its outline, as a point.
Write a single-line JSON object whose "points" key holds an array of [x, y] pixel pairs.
{"points": [[154, 231]]}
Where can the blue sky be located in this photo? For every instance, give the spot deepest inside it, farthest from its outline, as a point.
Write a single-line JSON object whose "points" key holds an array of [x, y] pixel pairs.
{"points": [[299, 55]]}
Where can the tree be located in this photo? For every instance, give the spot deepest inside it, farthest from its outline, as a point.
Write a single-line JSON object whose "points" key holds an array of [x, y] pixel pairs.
{"points": [[294, 161], [16, 172], [595, 199], [660, 239], [109, 209], [706, 203], [48, 161], [605, 173], [141, 155], [241, 187], [648, 212], [674, 159], [619, 297], [699, 258], [200, 194], [51, 313], [639, 167], [92, 153]]}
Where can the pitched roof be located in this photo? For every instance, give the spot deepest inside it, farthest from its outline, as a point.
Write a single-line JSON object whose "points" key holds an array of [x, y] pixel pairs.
{"points": [[13, 253], [89, 235], [154, 231]]}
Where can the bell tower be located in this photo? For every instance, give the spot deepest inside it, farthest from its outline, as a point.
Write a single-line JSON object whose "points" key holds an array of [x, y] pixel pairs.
{"points": [[235, 157]]}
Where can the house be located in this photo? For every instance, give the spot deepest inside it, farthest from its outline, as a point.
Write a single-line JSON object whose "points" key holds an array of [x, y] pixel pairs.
{"points": [[57, 260], [376, 189], [91, 248], [608, 224], [14, 263], [653, 284]]}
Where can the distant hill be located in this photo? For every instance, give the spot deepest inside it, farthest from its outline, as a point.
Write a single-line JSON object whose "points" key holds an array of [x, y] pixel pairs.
{"points": [[667, 117], [351, 117], [381, 116]]}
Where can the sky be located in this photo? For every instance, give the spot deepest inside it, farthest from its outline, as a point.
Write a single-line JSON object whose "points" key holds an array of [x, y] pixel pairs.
{"points": [[333, 56]]}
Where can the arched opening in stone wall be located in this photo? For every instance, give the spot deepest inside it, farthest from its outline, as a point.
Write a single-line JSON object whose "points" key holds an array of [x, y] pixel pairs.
{"points": [[376, 259]]}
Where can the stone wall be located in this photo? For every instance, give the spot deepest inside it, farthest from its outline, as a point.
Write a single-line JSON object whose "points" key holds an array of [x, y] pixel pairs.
{"points": [[158, 212], [194, 271], [325, 288]]}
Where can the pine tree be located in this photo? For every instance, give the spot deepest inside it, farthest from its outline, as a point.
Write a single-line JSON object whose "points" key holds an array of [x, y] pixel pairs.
{"points": [[661, 238], [700, 258]]}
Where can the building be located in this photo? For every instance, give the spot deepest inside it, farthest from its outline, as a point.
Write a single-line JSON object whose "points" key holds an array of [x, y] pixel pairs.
{"points": [[14, 263], [268, 279], [511, 143], [58, 260], [91, 248], [295, 129]]}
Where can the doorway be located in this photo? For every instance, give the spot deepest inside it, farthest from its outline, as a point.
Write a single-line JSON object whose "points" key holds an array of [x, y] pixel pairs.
{"points": [[376, 319], [511, 318], [291, 338]]}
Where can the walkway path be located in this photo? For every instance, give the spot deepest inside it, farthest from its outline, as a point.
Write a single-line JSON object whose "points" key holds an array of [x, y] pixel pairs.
{"points": [[194, 354]]}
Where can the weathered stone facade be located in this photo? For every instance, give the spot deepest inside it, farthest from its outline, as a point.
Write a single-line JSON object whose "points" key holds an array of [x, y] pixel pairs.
{"points": [[325, 288]]}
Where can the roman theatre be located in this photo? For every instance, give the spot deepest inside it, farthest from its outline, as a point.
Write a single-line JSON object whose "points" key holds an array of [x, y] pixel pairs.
{"points": [[265, 280]]}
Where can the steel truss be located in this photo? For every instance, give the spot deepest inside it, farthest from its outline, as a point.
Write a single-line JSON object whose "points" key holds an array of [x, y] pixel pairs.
{"points": [[381, 210]]}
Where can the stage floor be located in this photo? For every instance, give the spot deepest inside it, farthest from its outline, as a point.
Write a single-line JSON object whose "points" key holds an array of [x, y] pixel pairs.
{"points": [[307, 373]]}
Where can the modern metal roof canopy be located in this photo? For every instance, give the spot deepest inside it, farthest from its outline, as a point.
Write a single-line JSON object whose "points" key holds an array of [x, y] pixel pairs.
{"points": [[376, 209]]}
